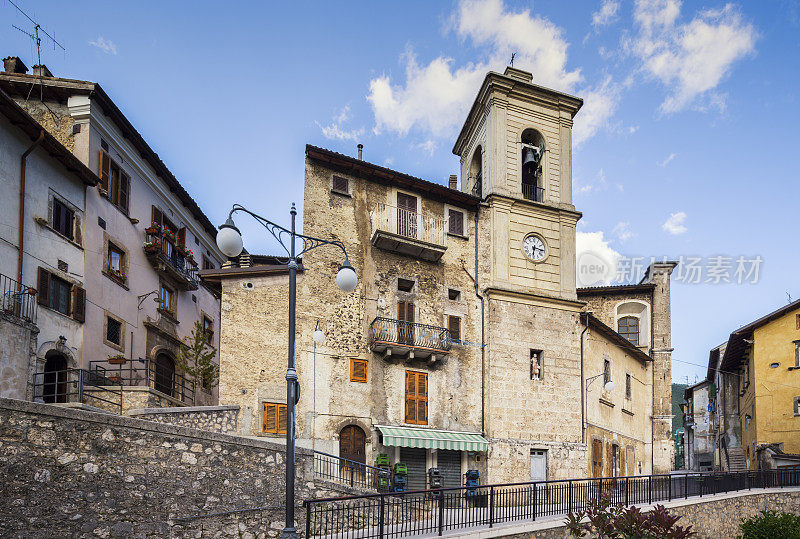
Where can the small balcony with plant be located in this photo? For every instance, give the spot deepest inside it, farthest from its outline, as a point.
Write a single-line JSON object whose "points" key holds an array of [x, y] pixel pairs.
{"points": [[168, 254], [410, 233]]}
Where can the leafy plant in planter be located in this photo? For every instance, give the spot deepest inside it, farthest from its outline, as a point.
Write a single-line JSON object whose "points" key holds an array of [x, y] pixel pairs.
{"points": [[169, 235], [606, 520], [117, 359], [154, 229], [196, 357], [771, 525], [151, 247], [166, 310], [118, 274]]}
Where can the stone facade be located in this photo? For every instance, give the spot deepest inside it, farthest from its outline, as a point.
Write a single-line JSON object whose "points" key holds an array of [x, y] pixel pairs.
{"points": [[17, 356], [511, 309], [69, 472], [210, 418]]}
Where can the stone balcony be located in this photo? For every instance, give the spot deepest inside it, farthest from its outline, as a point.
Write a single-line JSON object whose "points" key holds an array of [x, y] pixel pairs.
{"points": [[409, 233]]}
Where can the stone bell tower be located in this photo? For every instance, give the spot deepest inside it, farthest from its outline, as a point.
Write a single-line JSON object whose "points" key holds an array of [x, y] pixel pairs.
{"points": [[516, 152]]}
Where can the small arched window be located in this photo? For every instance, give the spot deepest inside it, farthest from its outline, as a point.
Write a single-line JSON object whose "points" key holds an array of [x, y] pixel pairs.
{"points": [[532, 159], [628, 327], [476, 172]]}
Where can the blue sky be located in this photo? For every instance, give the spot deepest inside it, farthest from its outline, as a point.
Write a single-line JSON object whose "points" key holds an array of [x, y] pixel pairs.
{"points": [[686, 145]]}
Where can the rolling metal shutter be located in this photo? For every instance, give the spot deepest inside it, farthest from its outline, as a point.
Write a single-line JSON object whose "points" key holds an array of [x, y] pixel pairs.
{"points": [[414, 458], [449, 463]]}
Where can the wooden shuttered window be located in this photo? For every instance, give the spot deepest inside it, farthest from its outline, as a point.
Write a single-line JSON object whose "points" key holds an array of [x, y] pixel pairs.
{"points": [[114, 181], [57, 294], [341, 185], [274, 418], [358, 370], [43, 287], [123, 200], [158, 217], [416, 398], [455, 220], [79, 304], [105, 170], [454, 325]]}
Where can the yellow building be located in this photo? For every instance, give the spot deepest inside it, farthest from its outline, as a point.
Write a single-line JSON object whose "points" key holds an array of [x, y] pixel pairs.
{"points": [[764, 358]]}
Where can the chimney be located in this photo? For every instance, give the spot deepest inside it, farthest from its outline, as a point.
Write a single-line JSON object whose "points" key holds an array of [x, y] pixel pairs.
{"points": [[360, 152], [41, 71], [453, 183], [13, 64]]}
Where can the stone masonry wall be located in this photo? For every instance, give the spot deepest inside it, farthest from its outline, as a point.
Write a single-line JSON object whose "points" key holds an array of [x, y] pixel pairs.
{"points": [[710, 518], [211, 418], [17, 353], [67, 472]]}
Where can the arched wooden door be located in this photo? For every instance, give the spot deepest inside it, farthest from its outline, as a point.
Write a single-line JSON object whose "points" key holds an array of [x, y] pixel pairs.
{"points": [[352, 444], [164, 375], [55, 378]]}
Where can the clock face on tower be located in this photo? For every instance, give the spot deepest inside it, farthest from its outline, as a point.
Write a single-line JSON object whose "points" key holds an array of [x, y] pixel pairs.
{"points": [[534, 248]]}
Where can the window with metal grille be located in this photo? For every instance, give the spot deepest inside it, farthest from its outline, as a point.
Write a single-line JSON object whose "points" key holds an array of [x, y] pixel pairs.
{"points": [[455, 222], [628, 327], [454, 325], [274, 418], [113, 330], [537, 365], [358, 370], [341, 185], [628, 385], [63, 219], [416, 398]]}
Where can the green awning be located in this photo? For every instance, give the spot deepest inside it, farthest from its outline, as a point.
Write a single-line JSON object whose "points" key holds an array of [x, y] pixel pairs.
{"points": [[432, 439]]}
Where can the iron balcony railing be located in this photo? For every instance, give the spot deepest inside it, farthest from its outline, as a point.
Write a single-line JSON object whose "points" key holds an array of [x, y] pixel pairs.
{"points": [[18, 300], [160, 247], [409, 224], [76, 385], [147, 373], [349, 472], [388, 331], [421, 512], [532, 192]]}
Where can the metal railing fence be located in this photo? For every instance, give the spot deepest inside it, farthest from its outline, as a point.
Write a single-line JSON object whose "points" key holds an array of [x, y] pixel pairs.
{"points": [[410, 224], [346, 471], [391, 331], [78, 386], [532, 192], [436, 511], [17, 299], [144, 372], [167, 250]]}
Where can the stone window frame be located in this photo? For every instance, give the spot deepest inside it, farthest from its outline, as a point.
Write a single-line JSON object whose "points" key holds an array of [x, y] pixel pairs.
{"points": [[346, 193], [77, 218], [126, 256], [465, 230], [545, 157], [353, 377], [796, 356], [121, 346], [797, 406], [393, 203], [278, 406], [448, 318], [644, 316]]}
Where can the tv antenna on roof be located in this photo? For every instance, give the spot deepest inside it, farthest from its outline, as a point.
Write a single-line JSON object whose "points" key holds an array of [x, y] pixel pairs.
{"points": [[513, 54], [36, 37]]}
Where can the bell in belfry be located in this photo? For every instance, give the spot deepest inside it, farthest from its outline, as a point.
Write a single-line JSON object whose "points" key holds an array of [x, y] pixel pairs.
{"points": [[531, 157]]}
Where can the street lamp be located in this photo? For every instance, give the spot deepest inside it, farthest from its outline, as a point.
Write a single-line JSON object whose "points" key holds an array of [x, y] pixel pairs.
{"points": [[229, 241], [608, 386]]}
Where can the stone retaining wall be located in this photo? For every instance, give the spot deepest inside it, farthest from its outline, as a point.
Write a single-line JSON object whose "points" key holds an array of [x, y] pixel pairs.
{"points": [[71, 472], [211, 418]]}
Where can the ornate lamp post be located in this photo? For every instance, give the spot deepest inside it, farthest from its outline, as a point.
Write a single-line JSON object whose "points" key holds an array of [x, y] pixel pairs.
{"points": [[229, 241]]}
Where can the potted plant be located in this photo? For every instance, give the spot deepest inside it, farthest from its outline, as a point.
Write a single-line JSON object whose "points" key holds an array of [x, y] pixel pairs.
{"points": [[117, 359], [167, 311], [169, 235], [154, 229], [116, 378], [151, 247], [189, 255], [118, 274], [31, 291]]}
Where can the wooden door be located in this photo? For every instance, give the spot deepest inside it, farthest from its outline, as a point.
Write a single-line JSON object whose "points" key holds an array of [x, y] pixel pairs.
{"points": [[406, 215], [405, 322], [352, 444], [597, 458]]}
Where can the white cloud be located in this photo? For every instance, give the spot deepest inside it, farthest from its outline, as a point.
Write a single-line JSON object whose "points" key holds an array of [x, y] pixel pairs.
{"points": [[668, 160], [105, 45], [600, 184], [606, 14], [622, 231], [435, 97], [690, 59], [334, 130], [596, 260], [633, 129], [675, 223], [429, 146]]}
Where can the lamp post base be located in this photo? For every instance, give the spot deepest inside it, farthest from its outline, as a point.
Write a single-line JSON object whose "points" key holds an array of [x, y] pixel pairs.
{"points": [[289, 533]]}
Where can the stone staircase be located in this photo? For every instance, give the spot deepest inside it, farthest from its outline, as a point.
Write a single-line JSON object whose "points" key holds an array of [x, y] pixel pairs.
{"points": [[736, 459]]}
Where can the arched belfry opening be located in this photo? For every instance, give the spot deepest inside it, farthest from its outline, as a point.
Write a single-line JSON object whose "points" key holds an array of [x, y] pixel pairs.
{"points": [[533, 149], [476, 172]]}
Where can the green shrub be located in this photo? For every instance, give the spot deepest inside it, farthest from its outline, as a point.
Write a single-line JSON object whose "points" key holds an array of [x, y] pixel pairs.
{"points": [[606, 520], [771, 525]]}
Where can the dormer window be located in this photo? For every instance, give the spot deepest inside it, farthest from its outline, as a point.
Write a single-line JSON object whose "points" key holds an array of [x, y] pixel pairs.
{"points": [[533, 149]]}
